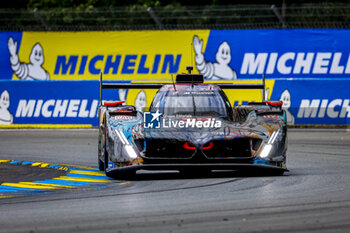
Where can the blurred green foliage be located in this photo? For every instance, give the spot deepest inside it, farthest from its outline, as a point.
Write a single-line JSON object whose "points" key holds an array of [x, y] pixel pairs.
{"points": [[79, 4], [77, 15]]}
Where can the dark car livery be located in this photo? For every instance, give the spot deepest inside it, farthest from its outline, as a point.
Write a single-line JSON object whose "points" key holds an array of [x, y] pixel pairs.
{"points": [[191, 126]]}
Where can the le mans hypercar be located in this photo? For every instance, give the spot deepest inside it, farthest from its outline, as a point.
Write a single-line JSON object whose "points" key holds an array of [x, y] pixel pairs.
{"points": [[191, 127]]}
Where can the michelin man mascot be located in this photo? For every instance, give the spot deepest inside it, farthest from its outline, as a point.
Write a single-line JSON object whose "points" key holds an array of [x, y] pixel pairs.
{"points": [[140, 101], [31, 71], [220, 70], [6, 117], [285, 98]]}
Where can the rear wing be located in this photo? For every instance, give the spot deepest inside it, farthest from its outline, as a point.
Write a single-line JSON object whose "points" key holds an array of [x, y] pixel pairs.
{"points": [[110, 85]]}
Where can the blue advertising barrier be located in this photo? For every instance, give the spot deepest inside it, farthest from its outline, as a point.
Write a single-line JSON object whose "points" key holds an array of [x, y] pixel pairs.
{"points": [[281, 53], [51, 102], [314, 101], [307, 101]]}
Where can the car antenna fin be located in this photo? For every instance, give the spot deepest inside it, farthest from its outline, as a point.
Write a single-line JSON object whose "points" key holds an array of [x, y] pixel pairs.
{"points": [[172, 78], [189, 69]]}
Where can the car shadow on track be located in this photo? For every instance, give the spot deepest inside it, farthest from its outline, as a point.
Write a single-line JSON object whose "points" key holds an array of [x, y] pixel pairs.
{"points": [[174, 175]]}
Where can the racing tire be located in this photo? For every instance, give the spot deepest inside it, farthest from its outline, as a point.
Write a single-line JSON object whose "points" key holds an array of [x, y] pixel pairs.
{"points": [[101, 165], [105, 164]]}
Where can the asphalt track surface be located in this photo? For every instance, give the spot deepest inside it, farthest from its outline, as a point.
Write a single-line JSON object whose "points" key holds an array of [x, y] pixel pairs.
{"points": [[313, 197]]}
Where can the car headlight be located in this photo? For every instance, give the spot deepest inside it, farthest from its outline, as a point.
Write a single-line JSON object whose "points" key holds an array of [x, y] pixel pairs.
{"points": [[266, 151], [269, 145], [130, 151], [126, 146]]}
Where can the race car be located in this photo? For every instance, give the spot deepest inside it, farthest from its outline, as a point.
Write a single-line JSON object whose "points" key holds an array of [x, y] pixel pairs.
{"points": [[192, 127]]}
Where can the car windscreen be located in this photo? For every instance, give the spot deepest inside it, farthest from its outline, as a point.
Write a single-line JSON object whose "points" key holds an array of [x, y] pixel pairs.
{"points": [[194, 103]]}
